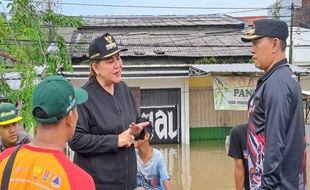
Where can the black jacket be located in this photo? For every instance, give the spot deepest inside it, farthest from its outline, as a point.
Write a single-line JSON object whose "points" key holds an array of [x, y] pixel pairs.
{"points": [[101, 119], [276, 144]]}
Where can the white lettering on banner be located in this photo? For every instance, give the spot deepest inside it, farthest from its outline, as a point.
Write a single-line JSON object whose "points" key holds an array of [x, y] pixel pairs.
{"points": [[163, 124], [161, 119], [171, 133]]}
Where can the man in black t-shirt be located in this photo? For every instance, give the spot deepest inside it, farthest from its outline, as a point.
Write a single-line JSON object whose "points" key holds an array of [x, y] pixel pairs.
{"points": [[238, 151]]}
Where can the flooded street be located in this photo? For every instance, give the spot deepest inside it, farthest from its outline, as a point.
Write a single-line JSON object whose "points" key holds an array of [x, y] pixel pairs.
{"points": [[202, 165]]}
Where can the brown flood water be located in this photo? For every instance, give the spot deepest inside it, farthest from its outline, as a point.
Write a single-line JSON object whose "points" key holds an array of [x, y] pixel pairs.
{"points": [[202, 166]]}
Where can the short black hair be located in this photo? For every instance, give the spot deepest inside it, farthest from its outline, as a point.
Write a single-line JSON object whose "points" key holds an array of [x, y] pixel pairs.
{"points": [[39, 113], [283, 45], [147, 129]]}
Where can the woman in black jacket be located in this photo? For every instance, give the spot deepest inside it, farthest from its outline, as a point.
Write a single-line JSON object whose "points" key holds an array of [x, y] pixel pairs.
{"points": [[103, 140]]}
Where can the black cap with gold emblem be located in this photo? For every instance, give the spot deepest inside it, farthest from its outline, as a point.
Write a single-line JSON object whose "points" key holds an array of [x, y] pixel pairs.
{"points": [[266, 28], [103, 47]]}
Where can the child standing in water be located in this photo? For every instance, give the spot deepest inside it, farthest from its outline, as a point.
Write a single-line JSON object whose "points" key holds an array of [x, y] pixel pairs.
{"points": [[152, 173]]}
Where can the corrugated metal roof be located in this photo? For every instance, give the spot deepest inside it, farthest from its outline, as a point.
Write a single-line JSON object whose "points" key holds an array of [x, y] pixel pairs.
{"points": [[186, 44], [145, 71], [202, 69], [160, 21], [220, 37]]}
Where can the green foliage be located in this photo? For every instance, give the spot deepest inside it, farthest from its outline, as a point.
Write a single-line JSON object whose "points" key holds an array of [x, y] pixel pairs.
{"points": [[61, 20], [276, 10], [251, 60], [25, 38], [219, 60], [207, 60]]}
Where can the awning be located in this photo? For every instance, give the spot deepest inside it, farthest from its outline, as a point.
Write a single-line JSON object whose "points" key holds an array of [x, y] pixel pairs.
{"points": [[205, 69], [134, 71]]}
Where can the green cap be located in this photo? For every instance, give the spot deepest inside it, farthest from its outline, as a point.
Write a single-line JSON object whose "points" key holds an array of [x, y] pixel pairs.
{"points": [[54, 98], [8, 114]]}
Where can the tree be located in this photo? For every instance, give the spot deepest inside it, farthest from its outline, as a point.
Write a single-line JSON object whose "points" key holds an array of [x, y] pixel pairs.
{"points": [[26, 40], [276, 9]]}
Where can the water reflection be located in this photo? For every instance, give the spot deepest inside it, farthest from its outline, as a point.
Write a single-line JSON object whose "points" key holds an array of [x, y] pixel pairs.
{"points": [[202, 166]]}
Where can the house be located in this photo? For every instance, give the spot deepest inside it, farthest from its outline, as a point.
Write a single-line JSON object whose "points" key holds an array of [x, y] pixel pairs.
{"points": [[159, 68], [161, 50]]}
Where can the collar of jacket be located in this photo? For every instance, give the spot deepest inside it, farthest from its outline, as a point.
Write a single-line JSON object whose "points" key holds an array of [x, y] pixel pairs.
{"points": [[276, 66]]}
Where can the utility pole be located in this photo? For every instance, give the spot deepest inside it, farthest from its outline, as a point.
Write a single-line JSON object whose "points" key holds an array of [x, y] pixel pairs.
{"points": [[291, 34]]}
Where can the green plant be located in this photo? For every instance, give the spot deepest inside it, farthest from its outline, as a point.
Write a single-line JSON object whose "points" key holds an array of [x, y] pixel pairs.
{"points": [[25, 39], [220, 60], [276, 10], [251, 60], [207, 60]]}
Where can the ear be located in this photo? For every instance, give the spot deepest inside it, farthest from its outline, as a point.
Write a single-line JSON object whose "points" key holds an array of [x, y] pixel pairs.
{"points": [[276, 46], [70, 119], [147, 136], [94, 67]]}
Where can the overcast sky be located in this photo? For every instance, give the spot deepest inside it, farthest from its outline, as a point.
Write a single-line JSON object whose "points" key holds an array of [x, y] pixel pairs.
{"points": [[155, 7], [100, 7]]}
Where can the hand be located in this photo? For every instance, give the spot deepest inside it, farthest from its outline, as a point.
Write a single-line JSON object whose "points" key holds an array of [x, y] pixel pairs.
{"points": [[137, 128], [125, 139]]}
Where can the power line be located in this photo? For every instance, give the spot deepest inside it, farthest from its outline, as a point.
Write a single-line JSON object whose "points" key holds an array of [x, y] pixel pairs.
{"points": [[116, 17], [151, 6], [153, 16], [161, 43], [243, 9]]}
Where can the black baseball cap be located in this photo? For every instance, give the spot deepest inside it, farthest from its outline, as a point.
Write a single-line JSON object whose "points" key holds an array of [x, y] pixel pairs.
{"points": [[266, 28], [103, 47]]}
